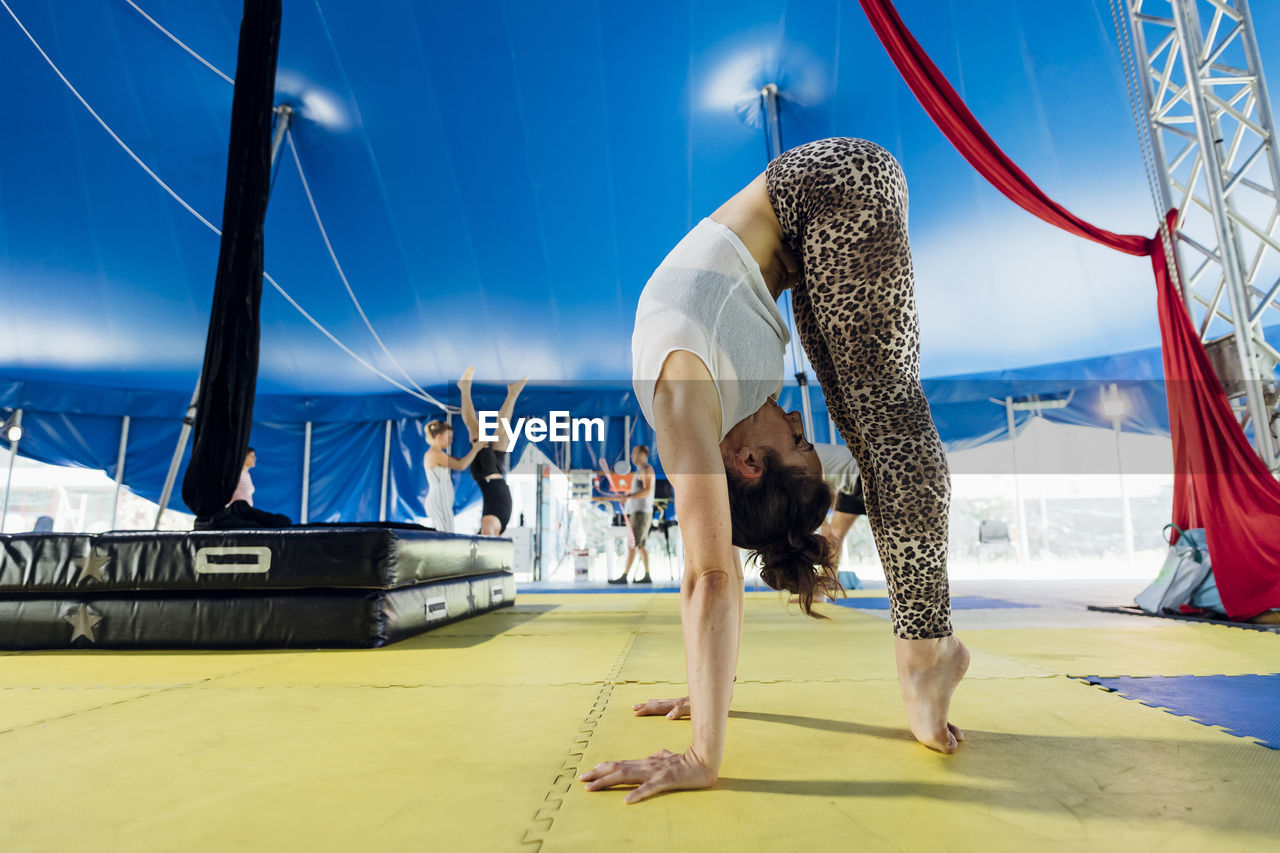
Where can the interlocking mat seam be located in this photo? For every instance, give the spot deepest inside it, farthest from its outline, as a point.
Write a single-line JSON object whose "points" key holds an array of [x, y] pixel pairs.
{"points": [[567, 775], [149, 690], [88, 710], [1199, 698]]}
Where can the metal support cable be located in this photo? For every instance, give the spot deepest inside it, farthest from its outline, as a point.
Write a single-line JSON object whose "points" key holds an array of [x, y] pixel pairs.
{"points": [[206, 63], [324, 234]]}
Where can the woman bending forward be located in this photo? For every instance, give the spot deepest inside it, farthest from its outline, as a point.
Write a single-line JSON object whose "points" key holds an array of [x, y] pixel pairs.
{"points": [[828, 220]]}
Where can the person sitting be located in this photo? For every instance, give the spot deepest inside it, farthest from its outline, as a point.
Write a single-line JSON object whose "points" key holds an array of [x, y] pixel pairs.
{"points": [[240, 512], [244, 488]]}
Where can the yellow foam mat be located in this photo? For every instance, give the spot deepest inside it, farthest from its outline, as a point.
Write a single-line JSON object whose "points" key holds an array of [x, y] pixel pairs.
{"points": [[110, 668], [1160, 647], [470, 738], [450, 660], [862, 649], [1047, 764], [278, 768], [32, 706]]}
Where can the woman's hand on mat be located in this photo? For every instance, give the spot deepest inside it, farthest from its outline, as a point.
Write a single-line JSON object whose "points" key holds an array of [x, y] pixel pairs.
{"points": [[672, 709], [662, 771]]}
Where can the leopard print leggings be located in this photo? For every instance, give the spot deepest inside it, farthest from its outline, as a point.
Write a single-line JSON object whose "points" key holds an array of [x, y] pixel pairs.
{"points": [[842, 204]]}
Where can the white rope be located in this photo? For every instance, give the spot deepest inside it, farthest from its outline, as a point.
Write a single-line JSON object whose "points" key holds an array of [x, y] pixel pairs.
{"points": [[180, 200], [324, 233], [105, 127], [179, 43], [422, 392], [426, 398]]}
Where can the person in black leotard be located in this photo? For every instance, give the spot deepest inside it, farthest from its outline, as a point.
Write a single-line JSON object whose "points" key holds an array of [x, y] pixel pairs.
{"points": [[488, 468]]}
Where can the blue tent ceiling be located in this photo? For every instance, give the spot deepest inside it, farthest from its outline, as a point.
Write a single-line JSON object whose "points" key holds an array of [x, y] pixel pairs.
{"points": [[499, 179]]}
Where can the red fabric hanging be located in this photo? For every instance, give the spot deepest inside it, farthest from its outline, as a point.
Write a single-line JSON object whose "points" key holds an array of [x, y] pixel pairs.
{"points": [[1220, 484]]}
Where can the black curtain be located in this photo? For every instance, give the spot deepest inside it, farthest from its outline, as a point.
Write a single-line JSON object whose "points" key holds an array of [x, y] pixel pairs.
{"points": [[225, 409]]}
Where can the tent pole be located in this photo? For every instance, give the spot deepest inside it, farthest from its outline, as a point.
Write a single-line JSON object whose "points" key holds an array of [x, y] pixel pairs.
{"points": [[285, 116], [1117, 426], [183, 437], [1024, 550], [306, 473], [124, 442], [773, 122], [538, 489], [773, 148], [13, 454], [604, 444], [806, 401], [386, 467], [1124, 499]]}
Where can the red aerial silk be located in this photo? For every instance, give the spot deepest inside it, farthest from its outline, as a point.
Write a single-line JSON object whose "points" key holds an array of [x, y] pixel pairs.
{"points": [[1220, 484]]}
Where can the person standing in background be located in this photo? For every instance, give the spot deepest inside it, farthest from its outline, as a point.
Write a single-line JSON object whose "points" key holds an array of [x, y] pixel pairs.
{"points": [[439, 466], [840, 472], [639, 509]]}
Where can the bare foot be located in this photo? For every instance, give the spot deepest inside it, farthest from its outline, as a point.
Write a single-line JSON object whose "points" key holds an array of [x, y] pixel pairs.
{"points": [[465, 381], [514, 388], [928, 672]]}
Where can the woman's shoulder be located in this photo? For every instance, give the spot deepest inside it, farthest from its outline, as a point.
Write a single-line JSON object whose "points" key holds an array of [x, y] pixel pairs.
{"points": [[685, 388]]}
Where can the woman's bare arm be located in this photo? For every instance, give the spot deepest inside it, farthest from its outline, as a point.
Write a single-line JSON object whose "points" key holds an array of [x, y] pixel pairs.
{"points": [[461, 464], [711, 592], [687, 409]]}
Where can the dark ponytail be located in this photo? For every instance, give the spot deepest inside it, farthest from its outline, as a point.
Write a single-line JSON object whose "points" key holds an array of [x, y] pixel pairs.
{"points": [[776, 517]]}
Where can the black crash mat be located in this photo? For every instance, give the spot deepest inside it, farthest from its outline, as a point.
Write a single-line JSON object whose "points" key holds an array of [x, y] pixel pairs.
{"points": [[226, 620], [329, 557]]}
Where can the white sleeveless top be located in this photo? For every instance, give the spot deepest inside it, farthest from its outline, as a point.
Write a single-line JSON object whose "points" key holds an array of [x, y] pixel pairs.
{"points": [[244, 489], [709, 298], [440, 498]]}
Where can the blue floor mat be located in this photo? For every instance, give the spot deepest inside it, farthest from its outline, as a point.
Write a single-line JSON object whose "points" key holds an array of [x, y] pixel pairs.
{"points": [[1243, 705], [959, 602]]}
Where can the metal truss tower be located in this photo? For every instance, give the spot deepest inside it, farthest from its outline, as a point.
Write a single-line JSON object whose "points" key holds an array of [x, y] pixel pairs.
{"points": [[1211, 152]]}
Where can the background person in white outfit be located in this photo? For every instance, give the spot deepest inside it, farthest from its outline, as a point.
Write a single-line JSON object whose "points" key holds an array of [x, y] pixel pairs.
{"points": [[439, 467]]}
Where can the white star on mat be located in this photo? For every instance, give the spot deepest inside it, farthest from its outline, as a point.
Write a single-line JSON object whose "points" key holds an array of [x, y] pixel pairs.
{"points": [[83, 622], [91, 565]]}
